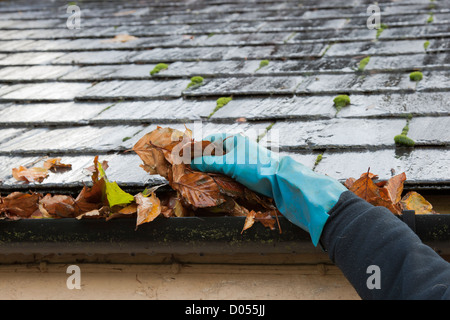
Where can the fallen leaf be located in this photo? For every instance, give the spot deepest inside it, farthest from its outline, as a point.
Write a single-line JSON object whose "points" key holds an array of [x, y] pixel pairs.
{"points": [[365, 188], [95, 214], [91, 198], [265, 218], [414, 201], [249, 220], [130, 209], [385, 196], [124, 13], [148, 208], [388, 194], [150, 148], [395, 187], [20, 204], [115, 195], [228, 186], [94, 168], [58, 206], [34, 174], [384, 200], [55, 165], [199, 189], [349, 182], [121, 38]]}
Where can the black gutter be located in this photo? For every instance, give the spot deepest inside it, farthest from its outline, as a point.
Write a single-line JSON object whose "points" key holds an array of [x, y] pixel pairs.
{"points": [[190, 235]]}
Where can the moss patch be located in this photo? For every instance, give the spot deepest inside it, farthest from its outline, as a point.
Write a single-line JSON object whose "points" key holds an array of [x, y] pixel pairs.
{"points": [[381, 29], [195, 82], [416, 76], [262, 64], [219, 104], [402, 139], [158, 68], [318, 159], [265, 132], [363, 63], [341, 101], [430, 18], [426, 45]]}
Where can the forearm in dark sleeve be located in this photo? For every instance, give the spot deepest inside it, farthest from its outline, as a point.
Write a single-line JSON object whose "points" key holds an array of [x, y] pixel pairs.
{"points": [[358, 235]]}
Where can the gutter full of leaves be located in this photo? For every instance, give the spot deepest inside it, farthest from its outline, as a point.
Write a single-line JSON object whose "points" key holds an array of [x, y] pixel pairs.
{"points": [[192, 193]]}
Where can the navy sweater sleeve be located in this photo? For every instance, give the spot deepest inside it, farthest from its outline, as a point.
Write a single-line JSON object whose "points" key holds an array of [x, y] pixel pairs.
{"points": [[358, 235]]}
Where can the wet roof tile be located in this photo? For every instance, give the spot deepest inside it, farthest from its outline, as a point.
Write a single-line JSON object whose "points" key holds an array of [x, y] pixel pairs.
{"points": [[78, 93]]}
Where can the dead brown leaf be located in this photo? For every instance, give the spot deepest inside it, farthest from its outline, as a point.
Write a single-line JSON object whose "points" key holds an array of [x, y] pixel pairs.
{"points": [[365, 188], [58, 206], [265, 218], [35, 174], [394, 187], [199, 189], [91, 198], [388, 193], [121, 38], [95, 214], [124, 13], [20, 204], [249, 221], [55, 165], [148, 208]]}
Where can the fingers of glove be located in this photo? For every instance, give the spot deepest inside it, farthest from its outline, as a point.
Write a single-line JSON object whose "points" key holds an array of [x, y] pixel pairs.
{"points": [[229, 141]]}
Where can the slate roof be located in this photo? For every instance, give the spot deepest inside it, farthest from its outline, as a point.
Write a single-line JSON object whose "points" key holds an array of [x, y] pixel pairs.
{"points": [[76, 94]]}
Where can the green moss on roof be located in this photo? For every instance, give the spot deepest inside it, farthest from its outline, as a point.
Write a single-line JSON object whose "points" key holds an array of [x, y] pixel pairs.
{"points": [[263, 64], [158, 68], [220, 103], [363, 63], [426, 45], [381, 29], [416, 76], [403, 140], [195, 82], [341, 101], [430, 18], [318, 159]]}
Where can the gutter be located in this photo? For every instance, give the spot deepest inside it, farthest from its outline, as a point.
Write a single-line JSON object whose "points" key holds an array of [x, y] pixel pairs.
{"points": [[201, 236]]}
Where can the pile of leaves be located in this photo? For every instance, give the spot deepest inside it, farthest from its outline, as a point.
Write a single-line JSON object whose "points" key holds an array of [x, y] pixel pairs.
{"points": [[103, 199], [192, 192], [197, 192], [388, 193]]}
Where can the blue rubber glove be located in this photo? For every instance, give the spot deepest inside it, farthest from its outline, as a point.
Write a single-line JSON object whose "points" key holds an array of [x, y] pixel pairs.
{"points": [[303, 196]]}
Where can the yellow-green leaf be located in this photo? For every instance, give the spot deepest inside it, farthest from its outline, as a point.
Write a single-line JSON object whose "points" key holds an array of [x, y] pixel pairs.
{"points": [[114, 194]]}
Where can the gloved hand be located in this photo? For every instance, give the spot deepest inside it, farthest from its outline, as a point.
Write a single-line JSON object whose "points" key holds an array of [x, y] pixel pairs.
{"points": [[303, 196]]}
